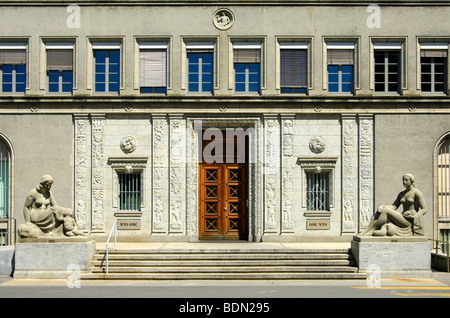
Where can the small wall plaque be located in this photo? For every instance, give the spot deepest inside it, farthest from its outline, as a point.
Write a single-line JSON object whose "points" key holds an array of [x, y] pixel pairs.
{"points": [[128, 224], [317, 224]]}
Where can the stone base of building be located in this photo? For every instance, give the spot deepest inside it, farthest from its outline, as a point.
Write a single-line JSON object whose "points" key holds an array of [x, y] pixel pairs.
{"points": [[398, 257], [6, 260], [46, 258]]}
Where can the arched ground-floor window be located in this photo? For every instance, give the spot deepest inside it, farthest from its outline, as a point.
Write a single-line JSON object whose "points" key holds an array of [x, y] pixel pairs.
{"points": [[443, 189], [7, 230]]}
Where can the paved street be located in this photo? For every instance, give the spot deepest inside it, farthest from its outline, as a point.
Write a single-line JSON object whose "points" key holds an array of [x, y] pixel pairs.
{"points": [[438, 286], [217, 298]]}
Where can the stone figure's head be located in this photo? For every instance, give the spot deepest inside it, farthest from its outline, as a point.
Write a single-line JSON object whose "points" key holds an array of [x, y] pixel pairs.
{"points": [[408, 179], [46, 182], [68, 212]]}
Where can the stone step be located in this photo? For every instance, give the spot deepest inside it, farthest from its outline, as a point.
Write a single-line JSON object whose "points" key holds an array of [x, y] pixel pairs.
{"points": [[229, 269], [221, 276], [167, 257], [228, 251], [222, 264], [205, 263]]}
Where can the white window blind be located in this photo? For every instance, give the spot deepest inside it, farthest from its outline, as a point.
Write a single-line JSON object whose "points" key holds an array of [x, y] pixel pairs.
{"points": [[294, 68], [152, 67], [13, 53], [59, 60]]}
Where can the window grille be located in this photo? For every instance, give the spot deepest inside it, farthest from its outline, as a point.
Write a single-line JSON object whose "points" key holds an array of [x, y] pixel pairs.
{"points": [[130, 191], [318, 191]]}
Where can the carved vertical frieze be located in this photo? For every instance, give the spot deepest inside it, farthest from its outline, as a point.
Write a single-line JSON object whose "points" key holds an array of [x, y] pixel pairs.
{"points": [[98, 165], [177, 173], [271, 174], [365, 170], [287, 183], [192, 178], [82, 171], [349, 173], [160, 174]]}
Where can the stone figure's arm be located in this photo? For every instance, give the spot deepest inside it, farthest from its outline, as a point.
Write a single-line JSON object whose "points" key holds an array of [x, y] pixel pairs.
{"points": [[27, 208], [422, 204], [52, 200], [397, 203]]}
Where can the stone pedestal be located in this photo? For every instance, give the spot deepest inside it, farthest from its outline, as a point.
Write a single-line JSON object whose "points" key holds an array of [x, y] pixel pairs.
{"points": [[48, 258], [6, 260], [398, 257]]}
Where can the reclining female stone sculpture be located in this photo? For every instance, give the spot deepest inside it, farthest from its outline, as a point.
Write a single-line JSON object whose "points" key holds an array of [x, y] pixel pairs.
{"points": [[387, 221]]}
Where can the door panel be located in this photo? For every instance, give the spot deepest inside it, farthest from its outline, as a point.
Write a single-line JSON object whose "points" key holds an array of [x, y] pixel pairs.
{"points": [[223, 206], [211, 201]]}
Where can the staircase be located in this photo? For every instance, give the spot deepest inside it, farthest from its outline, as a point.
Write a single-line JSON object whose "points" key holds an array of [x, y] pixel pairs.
{"points": [[224, 264]]}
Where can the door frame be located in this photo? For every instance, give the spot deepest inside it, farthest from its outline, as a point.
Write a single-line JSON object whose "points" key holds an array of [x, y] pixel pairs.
{"points": [[254, 178]]}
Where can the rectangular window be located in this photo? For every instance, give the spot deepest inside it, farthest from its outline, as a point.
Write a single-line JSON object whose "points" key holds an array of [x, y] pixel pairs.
{"points": [[293, 69], [153, 68], [13, 70], [433, 70], [200, 71], [60, 68], [387, 71], [318, 191], [247, 70], [107, 70], [129, 191], [340, 66]]}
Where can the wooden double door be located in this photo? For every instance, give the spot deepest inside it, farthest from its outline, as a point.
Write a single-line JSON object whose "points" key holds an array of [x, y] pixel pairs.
{"points": [[223, 202]]}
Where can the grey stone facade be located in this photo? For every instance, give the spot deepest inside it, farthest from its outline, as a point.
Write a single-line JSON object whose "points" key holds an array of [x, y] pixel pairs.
{"points": [[366, 140]]}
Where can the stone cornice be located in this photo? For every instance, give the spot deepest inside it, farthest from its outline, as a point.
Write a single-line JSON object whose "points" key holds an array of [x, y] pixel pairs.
{"points": [[221, 3]]}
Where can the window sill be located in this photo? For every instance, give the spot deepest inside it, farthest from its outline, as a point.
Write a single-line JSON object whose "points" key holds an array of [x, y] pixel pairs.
{"points": [[136, 214], [323, 214]]}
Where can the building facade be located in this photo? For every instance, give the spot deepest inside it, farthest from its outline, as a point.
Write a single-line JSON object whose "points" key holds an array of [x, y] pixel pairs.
{"points": [[269, 120]]}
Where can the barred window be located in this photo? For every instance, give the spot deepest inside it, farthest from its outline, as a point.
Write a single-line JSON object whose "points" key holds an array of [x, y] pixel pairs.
{"points": [[130, 191], [318, 191]]}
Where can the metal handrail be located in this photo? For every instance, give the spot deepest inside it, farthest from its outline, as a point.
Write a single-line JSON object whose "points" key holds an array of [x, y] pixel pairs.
{"points": [[114, 227], [447, 250]]}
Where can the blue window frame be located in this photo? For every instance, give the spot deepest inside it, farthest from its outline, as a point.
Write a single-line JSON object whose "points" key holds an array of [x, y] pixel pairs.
{"points": [[13, 78], [107, 70], [340, 78], [200, 72], [247, 77], [60, 81], [60, 69]]}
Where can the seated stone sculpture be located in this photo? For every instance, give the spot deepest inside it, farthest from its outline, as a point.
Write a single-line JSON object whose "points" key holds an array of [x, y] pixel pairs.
{"points": [[43, 216], [387, 221]]}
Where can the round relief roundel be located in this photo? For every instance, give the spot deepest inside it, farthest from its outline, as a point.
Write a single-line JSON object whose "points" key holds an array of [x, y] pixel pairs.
{"points": [[223, 19]]}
